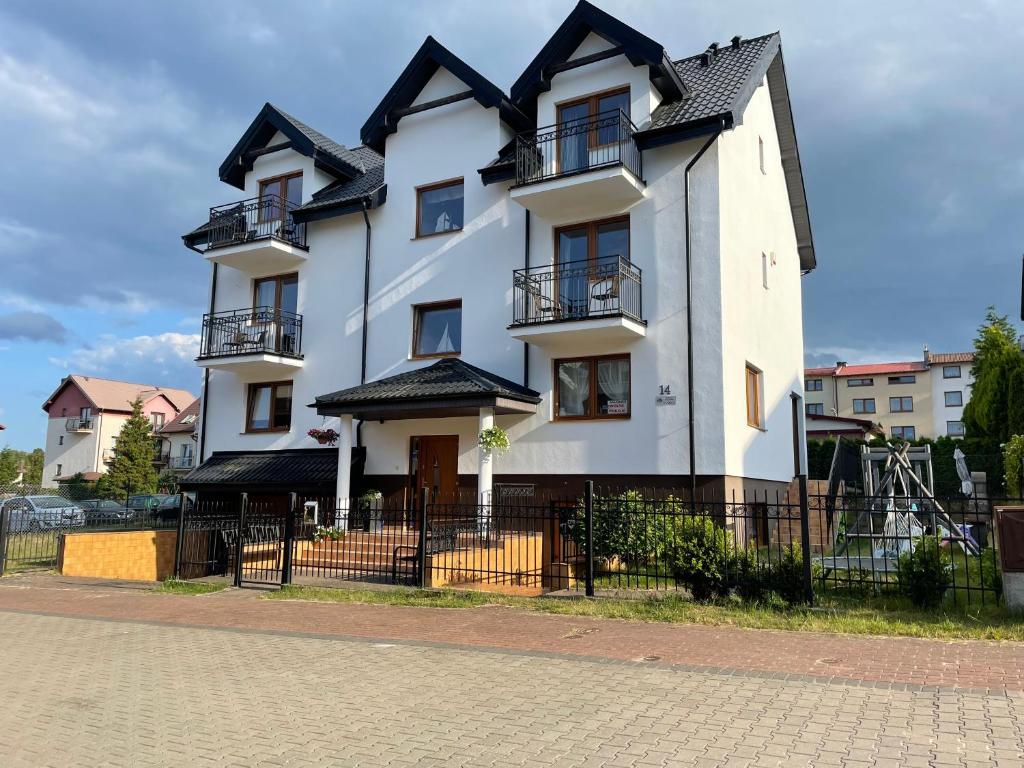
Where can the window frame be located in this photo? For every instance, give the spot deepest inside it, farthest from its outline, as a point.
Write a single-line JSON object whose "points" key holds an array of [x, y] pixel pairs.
{"points": [[430, 188], [760, 155], [281, 177], [819, 388], [950, 433], [903, 378], [900, 401], [960, 397], [861, 381], [417, 310], [758, 374], [902, 435], [593, 360], [591, 101], [157, 416], [959, 372], [864, 401], [819, 409], [278, 288], [249, 429]]}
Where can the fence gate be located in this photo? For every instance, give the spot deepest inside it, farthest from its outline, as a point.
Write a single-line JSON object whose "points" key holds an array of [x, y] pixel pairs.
{"points": [[29, 539]]}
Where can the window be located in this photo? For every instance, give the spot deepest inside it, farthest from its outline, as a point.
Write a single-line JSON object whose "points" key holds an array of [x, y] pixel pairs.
{"points": [[815, 409], [907, 433], [951, 371], [813, 385], [437, 329], [955, 428], [439, 208], [953, 399], [764, 269], [901, 404], [860, 382], [755, 397], [279, 293], [574, 145], [158, 420], [587, 268], [60, 470], [63, 411], [60, 440], [863, 405], [287, 187], [593, 388], [902, 379], [760, 153], [270, 407]]}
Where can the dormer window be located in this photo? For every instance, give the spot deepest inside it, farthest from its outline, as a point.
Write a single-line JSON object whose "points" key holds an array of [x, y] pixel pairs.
{"points": [[287, 187], [601, 133]]}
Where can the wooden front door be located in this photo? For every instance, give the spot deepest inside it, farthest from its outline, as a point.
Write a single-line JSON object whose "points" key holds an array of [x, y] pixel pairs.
{"points": [[435, 467]]}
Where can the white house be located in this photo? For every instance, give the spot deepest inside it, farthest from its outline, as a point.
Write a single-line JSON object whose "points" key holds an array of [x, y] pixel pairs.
{"points": [[951, 390], [524, 259]]}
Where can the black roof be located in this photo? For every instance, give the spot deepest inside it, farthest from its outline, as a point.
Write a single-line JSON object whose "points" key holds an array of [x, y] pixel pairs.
{"points": [[293, 468], [584, 19], [326, 153], [448, 383], [343, 195], [424, 64]]}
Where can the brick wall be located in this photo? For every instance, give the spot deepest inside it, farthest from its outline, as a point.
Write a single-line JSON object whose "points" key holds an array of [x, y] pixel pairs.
{"points": [[130, 555]]}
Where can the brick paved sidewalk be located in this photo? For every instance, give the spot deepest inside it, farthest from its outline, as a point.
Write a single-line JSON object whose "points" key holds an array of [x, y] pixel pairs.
{"points": [[890, 662]]}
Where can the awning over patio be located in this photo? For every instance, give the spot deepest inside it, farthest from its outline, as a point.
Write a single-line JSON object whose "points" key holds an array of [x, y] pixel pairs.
{"points": [[313, 469], [449, 387]]}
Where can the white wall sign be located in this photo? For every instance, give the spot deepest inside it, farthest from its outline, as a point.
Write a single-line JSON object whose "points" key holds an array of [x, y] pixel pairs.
{"points": [[665, 400]]}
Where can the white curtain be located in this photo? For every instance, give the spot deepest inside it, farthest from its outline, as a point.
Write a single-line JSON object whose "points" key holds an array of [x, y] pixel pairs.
{"points": [[444, 344], [573, 389], [613, 381]]}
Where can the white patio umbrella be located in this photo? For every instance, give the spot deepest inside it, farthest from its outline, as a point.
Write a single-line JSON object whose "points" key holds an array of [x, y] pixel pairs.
{"points": [[965, 474]]}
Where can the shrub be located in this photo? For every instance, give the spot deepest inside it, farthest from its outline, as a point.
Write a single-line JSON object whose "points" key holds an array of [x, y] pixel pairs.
{"points": [[925, 573], [631, 529], [700, 559], [786, 577]]}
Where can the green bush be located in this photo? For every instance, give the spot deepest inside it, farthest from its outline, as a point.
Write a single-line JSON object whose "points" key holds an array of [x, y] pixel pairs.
{"points": [[786, 577], [632, 530], [701, 557], [925, 573]]}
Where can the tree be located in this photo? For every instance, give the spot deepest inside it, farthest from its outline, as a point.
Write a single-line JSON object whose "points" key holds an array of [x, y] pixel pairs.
{"points": [[34, 467], [168, 481], [132, 470], [995, 410], [10, 465]]}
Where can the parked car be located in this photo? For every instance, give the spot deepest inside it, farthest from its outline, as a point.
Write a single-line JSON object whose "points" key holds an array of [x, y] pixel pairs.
{"points": [[161, 506], [38, 513], [99, 511]]}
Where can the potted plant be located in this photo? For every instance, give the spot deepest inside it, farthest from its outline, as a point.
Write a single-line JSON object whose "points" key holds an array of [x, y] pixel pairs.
{"points": [[324, 436], [494, 439]]}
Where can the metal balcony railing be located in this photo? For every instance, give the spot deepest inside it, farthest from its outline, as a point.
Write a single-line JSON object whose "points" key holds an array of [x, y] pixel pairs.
{"points": [[181, 462], [251, 331], [578, 146], [76, 424], [577, 290], [258, 218]]}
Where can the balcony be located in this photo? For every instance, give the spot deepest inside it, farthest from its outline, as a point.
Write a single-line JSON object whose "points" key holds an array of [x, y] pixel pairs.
{"points": [[181, 462], [599, 300], [255, 235], [259, 340], [582, 169], [76, 424]]}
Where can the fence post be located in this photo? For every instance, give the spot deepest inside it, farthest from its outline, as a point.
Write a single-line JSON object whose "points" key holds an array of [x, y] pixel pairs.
{"points": [[179, 542], [240, 539], [4, 517], [422, 548], [588, 522], [289, 537], [805, 540]]}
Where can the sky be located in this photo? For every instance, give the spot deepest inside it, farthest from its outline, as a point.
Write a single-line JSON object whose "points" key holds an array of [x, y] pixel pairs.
{"points": [[116, 116]]}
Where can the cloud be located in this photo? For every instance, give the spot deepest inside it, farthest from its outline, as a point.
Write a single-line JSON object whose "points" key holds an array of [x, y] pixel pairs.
{"points": [[167, 359], [32, 326]]}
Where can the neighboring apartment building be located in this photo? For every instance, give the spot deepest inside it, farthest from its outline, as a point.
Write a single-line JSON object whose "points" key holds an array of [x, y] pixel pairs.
{"points": [[913, 399], [521, 259], [178, 439], [85, 415]]}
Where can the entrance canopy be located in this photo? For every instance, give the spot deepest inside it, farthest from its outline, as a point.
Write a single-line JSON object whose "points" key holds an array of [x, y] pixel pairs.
{"points": [[309, 470], [449, 387]]}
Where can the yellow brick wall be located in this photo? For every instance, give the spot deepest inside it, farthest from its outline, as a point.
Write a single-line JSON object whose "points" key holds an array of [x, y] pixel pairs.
{"points": [[130, 555]]}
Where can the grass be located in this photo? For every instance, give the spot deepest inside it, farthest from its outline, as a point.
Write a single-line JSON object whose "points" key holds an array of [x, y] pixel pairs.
{"points": [[891, 616], [172, 587], [31, 550]]}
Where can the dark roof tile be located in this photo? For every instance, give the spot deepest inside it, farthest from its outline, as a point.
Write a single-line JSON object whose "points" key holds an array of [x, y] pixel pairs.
{"points": [[294, 468]]}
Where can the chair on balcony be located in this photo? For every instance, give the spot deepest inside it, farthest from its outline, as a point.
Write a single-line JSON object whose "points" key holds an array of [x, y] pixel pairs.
{"points": [[242, 341], [539, 307], [604, 295]]}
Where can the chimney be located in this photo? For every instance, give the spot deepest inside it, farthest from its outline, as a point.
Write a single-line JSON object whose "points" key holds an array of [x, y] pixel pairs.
{"points": [[709, 55], [713, 48], [840, 364], [927, 355], [736, 42]]}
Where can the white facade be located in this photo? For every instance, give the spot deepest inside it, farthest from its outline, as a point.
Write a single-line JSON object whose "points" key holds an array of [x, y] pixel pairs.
{"points": [[951, 391], [69, 452], [739, 212]]}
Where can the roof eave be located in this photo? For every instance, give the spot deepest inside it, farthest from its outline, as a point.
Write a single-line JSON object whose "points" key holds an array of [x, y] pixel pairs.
{"points": [[372, 200]]}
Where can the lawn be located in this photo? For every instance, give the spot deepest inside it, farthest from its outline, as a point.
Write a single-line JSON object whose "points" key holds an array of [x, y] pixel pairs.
{"points": [[864, 616], [172, 587], [30, 550]]}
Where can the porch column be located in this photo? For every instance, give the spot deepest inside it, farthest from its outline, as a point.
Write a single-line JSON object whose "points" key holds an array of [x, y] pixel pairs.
{"points": [[485, 475], [343, 491]]}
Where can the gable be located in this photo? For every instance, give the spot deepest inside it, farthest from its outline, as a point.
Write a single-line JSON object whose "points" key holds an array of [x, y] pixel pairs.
{"points": [[442, 84], [592, 43]]}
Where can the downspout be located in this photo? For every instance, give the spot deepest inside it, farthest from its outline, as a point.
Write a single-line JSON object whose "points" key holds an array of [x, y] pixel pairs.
{"points": [[206, 375], [366, 313], [691, 418], [526, 346]]}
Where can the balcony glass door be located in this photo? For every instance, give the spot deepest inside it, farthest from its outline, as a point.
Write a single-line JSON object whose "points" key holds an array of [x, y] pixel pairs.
{"points": [[588, 267], [278, 196], [275, 302], [589, 131]]}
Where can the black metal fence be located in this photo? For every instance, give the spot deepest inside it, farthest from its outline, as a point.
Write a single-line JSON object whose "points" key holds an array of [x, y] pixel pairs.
{"points": [[577, 290], [254, 219], [578, 146], [251, 330]]}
